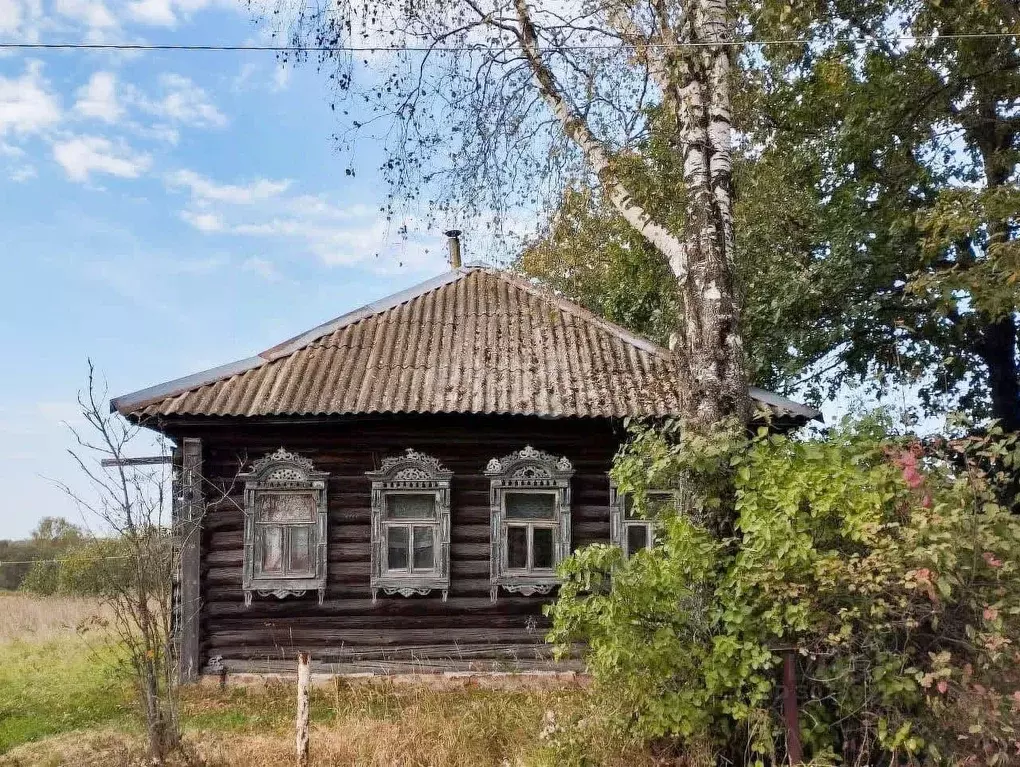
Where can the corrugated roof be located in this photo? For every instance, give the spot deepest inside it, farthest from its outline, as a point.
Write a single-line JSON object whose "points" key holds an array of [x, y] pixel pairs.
{"points": [[475, 340]]}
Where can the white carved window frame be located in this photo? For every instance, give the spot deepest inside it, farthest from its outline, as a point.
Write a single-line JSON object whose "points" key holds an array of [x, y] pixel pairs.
{"points": [[413, 473], [527, 470], [619, 523], [284, 473]]}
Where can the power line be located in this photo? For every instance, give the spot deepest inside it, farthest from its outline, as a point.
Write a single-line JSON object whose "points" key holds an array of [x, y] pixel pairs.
{"points": [[865, 40], [56, 561]]}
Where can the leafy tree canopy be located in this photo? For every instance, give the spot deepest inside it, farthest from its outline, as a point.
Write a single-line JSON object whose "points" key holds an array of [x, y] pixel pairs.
{"points": [[876, 205]]}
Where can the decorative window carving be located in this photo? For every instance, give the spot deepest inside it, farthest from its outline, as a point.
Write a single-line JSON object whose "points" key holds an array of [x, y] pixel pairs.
{"points": [[530, 510], [410, 526], [284, 527], [628, 530]]}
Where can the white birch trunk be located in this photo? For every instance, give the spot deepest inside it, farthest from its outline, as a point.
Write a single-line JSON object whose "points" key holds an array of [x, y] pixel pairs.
{"points": [[695, 86]]}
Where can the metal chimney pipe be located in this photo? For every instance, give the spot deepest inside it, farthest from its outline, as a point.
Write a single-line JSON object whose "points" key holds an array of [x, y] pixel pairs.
{"points": [[453, 240]]}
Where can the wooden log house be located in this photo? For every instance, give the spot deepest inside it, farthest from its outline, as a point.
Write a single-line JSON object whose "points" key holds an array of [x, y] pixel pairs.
{"points": [[402, 481]]}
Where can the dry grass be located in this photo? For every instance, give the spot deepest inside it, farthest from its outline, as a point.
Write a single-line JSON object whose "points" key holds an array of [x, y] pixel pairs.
{"points": [[371, 726], [64, 700], [31, 618]]}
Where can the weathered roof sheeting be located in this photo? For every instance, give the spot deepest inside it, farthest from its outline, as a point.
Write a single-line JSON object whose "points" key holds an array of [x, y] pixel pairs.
{"points": [[476, 340]]}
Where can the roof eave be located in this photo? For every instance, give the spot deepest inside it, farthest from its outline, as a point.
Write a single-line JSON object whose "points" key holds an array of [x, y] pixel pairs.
{"points": [[789, 406], [129, 403]]}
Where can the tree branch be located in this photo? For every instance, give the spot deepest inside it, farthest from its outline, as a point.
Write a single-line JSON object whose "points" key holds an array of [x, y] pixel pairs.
{"points": [[598, 155]]}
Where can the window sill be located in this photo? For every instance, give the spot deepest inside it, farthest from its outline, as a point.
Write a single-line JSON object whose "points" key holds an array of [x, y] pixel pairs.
{"points": [[283, 587], [525, 584], [409, 585]]}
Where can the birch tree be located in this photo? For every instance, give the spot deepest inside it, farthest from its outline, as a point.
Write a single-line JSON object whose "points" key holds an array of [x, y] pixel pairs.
{"points": [[487, 108]]}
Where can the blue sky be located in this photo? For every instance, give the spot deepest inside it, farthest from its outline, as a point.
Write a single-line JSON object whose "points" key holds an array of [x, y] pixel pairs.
{"points": [[163, 212], [166, 212]]}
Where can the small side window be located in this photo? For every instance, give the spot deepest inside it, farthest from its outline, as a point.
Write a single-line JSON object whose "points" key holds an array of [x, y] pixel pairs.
{"points": [[627, 529], [410, 526]]}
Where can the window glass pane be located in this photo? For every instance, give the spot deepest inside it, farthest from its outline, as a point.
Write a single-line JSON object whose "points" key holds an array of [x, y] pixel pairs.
{"points": [[411, 506], [300, 549], [272, 549], [396, 548], [637, 538], [516, 548], [659, 501], [285, 507], [542, 553], [424, 559], [530, 505], [655, 501]]}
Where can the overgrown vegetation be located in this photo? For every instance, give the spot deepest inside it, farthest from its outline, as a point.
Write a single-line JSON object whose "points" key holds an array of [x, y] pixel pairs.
{"points": [[888, 565]]}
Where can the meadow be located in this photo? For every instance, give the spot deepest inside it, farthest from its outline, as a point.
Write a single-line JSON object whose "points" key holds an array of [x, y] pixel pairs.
{"points": [[66, 699]]}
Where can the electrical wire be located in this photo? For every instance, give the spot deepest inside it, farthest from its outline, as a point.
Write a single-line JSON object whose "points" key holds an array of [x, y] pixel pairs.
{"points": [[4, 562], [199, 47]]}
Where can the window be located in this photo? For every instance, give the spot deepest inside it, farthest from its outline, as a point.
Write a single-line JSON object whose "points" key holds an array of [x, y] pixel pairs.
{"points": [[410, 526], [284, 527], [630, 531], [530, 533]]}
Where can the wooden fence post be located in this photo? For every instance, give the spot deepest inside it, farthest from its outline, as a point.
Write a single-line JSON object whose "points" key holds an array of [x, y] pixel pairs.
{"points": [[790, 713], [303, 677]]}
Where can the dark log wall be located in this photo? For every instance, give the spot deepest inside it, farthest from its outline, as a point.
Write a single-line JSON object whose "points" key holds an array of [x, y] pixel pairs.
{"points": [[468, 631]]}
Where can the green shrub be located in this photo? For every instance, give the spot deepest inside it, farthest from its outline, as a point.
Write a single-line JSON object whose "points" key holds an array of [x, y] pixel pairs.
{"points": [[889, 566], [89, 567]]}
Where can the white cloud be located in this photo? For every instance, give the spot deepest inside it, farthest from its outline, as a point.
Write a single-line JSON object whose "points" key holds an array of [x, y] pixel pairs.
{"points": [[263, 268], [203, 222], [81, 156], [23, 173], [204, 190], [26, 103], [21, 19], [183, 102], [92, 13], [157, 13], [10, 16], [332, 233], [98, 98], [168, 13], [281, 78]]}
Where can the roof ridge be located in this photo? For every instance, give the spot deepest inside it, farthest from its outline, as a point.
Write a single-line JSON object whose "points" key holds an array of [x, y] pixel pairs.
{"points": [[177, 386], [392, 301], [573, 307]]}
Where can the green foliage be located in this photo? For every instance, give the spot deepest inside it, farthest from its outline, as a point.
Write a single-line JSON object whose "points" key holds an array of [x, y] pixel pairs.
{"points": [[52, 539], [593, 256], [889, 566], [84, 567], [875, 207], [905, 155]]}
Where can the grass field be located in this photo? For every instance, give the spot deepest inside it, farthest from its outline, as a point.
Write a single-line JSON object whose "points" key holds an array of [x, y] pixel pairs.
{"points": [[66, 700]]}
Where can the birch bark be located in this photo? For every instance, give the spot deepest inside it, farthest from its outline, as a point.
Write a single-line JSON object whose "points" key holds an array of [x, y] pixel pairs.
{"points": [[691, 66]]}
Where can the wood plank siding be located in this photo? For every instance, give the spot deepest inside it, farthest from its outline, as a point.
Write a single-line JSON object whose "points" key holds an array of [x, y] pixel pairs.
{"points": [[467, 631]]}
